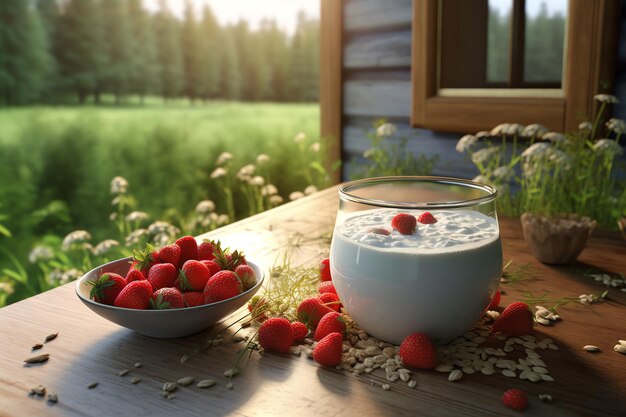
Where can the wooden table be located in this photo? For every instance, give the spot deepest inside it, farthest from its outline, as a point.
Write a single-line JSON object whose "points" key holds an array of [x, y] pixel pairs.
{"points": [[89, 348]]}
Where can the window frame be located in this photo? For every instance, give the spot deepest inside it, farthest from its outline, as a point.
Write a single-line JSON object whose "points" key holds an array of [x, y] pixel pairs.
{"points": [[589, 65]]}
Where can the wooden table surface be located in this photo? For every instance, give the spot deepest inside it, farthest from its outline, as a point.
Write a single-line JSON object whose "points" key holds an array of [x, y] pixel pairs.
{"points": [[89, 348]]}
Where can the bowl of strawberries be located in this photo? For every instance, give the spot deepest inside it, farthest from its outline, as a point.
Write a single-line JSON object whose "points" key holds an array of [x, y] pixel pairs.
{"points": [[175, 291]]}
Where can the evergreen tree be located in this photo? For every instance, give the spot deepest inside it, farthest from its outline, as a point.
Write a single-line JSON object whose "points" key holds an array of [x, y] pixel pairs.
{"points": [[145, 76], [212, 52], [118, 47], [167, 31], [49, 15], [230, 86], [277, 52], [192, 54], [304, 71]]}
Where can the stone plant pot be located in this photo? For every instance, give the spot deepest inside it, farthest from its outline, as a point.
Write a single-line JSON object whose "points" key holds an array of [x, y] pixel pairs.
{"points": [[556, 240]]}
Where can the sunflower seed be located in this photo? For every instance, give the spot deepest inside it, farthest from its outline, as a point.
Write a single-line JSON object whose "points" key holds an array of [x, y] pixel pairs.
{"points": [[231, 372], [205, 383], [37, 346], [540, 370], [123, 372], [591, 348], [51, 337], [546, 398], [455, 375], [546, 377], [38, 358], [38, 390], [552, 346], [135, 380], [238, 338], [92, 385], [468, 370], [509, 373], [229, 385], [620, 348], [169, 386], [412, 383], [188, 380], [386, 387], [622, 342], [53, 398], [138, 365], [444, 367], [171, 396], [184, 359]]}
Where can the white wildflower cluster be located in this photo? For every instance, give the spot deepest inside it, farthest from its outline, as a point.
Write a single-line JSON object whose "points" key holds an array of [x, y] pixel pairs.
{"points": [[205, 207], [300, 138], [40, 253], [269, 190], [608, 146], [482, 156], [311, 189], [315, 147], [76, 239], [218, 172], [503, 173], [6, 288], [591, 298], [105, 247], [296, 195], [507, 129], [137, 216], [246, 172], [616, 125], [544, 316], [554, 137], [606, 98], [119, 185], [276, 200], [466, 143], [59, 277], [224, 158], [262, 159], [386, 130], [585, 126], [608, 280], [534, 130], [135, 237], [162, 232]]}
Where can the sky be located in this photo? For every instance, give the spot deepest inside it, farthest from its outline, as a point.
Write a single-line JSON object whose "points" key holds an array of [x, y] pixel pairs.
{"points": [[231, 11], [532, 6]]}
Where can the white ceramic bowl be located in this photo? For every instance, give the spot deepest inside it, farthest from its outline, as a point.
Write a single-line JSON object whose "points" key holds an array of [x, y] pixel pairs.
{"points": [[164, 324]]}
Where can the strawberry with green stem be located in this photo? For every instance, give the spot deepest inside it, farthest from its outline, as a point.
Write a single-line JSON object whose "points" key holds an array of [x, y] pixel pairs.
{"points": [[106, 288]]}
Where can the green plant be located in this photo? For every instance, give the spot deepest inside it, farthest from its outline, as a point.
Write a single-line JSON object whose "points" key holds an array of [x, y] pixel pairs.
{"points": [[388, 155], [556, 173]]}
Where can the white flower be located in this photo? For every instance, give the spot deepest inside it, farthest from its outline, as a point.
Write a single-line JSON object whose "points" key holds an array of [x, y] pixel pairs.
{"points": [[218, 173], [105, 246], [585, 126], [262, 159], [616, 125], [205, 206], [6, 288], [162, 227], [534, 130], [224, 158], [246, 171], [513, 129], [75, 237], [257, 181], [70, 275], [481, 179], [538, 149], [500, 129], [484, 155], [554, 137], [608, 146], [161, 239], [299, 138], [268, 190], [119, 185], [466, 142], [135, 237], [559, 157], [483, 134], [113, 216], [136, 216], [606, 98], [296, 195], [223, 219], [315, 147], [386, 129], [276, 200], [368, 153], [310, 190], [503, 173], [40, 253]]}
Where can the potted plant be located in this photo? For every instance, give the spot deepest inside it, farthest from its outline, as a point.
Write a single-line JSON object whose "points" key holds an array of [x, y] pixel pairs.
{"points": [[562, 184]]}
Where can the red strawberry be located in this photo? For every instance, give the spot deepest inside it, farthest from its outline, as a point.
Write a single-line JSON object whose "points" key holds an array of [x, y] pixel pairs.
{"points": [[330, 300], [515, 320], [144, 259], [379, 231], [257, 308], [213, 266], [276, 334], [426, 218], [168, 297], [325, 270], [327, 286], [311, 310], [106, 288], [327, 352], [170, 254], [135, 295], [134, 275], [193, 276], [193, 298], [418, 351], [162, 276], [246, 275], [495, 301], [300, 331], [222, 286], [404, 223], [330, 323], [206, 249], [515, 399], [188, 249]]}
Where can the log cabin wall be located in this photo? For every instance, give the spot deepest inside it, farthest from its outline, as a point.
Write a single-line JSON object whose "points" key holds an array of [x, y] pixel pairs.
{"points": [[376, 80]]}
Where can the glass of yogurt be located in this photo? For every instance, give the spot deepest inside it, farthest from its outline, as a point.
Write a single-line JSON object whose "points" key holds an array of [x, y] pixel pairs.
{"points": [[438, 279]]}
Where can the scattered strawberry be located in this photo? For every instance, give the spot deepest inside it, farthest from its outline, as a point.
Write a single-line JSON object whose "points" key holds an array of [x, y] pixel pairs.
{"points": [[426, 218], [170, 254], [213, 266], [332, 322], [379, 231], [418, 351], [246, 275], [257, 307], [193, 298], [327, 286], [106, 288], [325, 270], [515, 320], [221, 286], [134, 275], [276, 334], [144, 259], [515, 399], [495, 301], [404, 223], [193, 276], [300, 331], [162, 276], [330, 300], [135, 295], [188, 249], [311, 310], [168, 297], [327, 352], [206, 249]]}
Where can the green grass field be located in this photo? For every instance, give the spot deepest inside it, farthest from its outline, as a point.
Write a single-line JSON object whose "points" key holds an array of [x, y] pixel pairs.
{"points": [[56, 163]]}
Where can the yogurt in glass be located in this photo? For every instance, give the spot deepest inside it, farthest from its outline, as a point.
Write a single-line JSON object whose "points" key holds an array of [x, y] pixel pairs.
{"points": [[438, 280]]}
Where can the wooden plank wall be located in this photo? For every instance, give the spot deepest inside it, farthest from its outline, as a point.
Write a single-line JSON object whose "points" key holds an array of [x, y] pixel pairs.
{"points": [[377, 84]]}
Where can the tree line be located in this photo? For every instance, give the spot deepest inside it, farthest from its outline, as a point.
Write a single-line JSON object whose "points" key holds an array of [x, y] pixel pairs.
{"points": [[63, 50]]}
